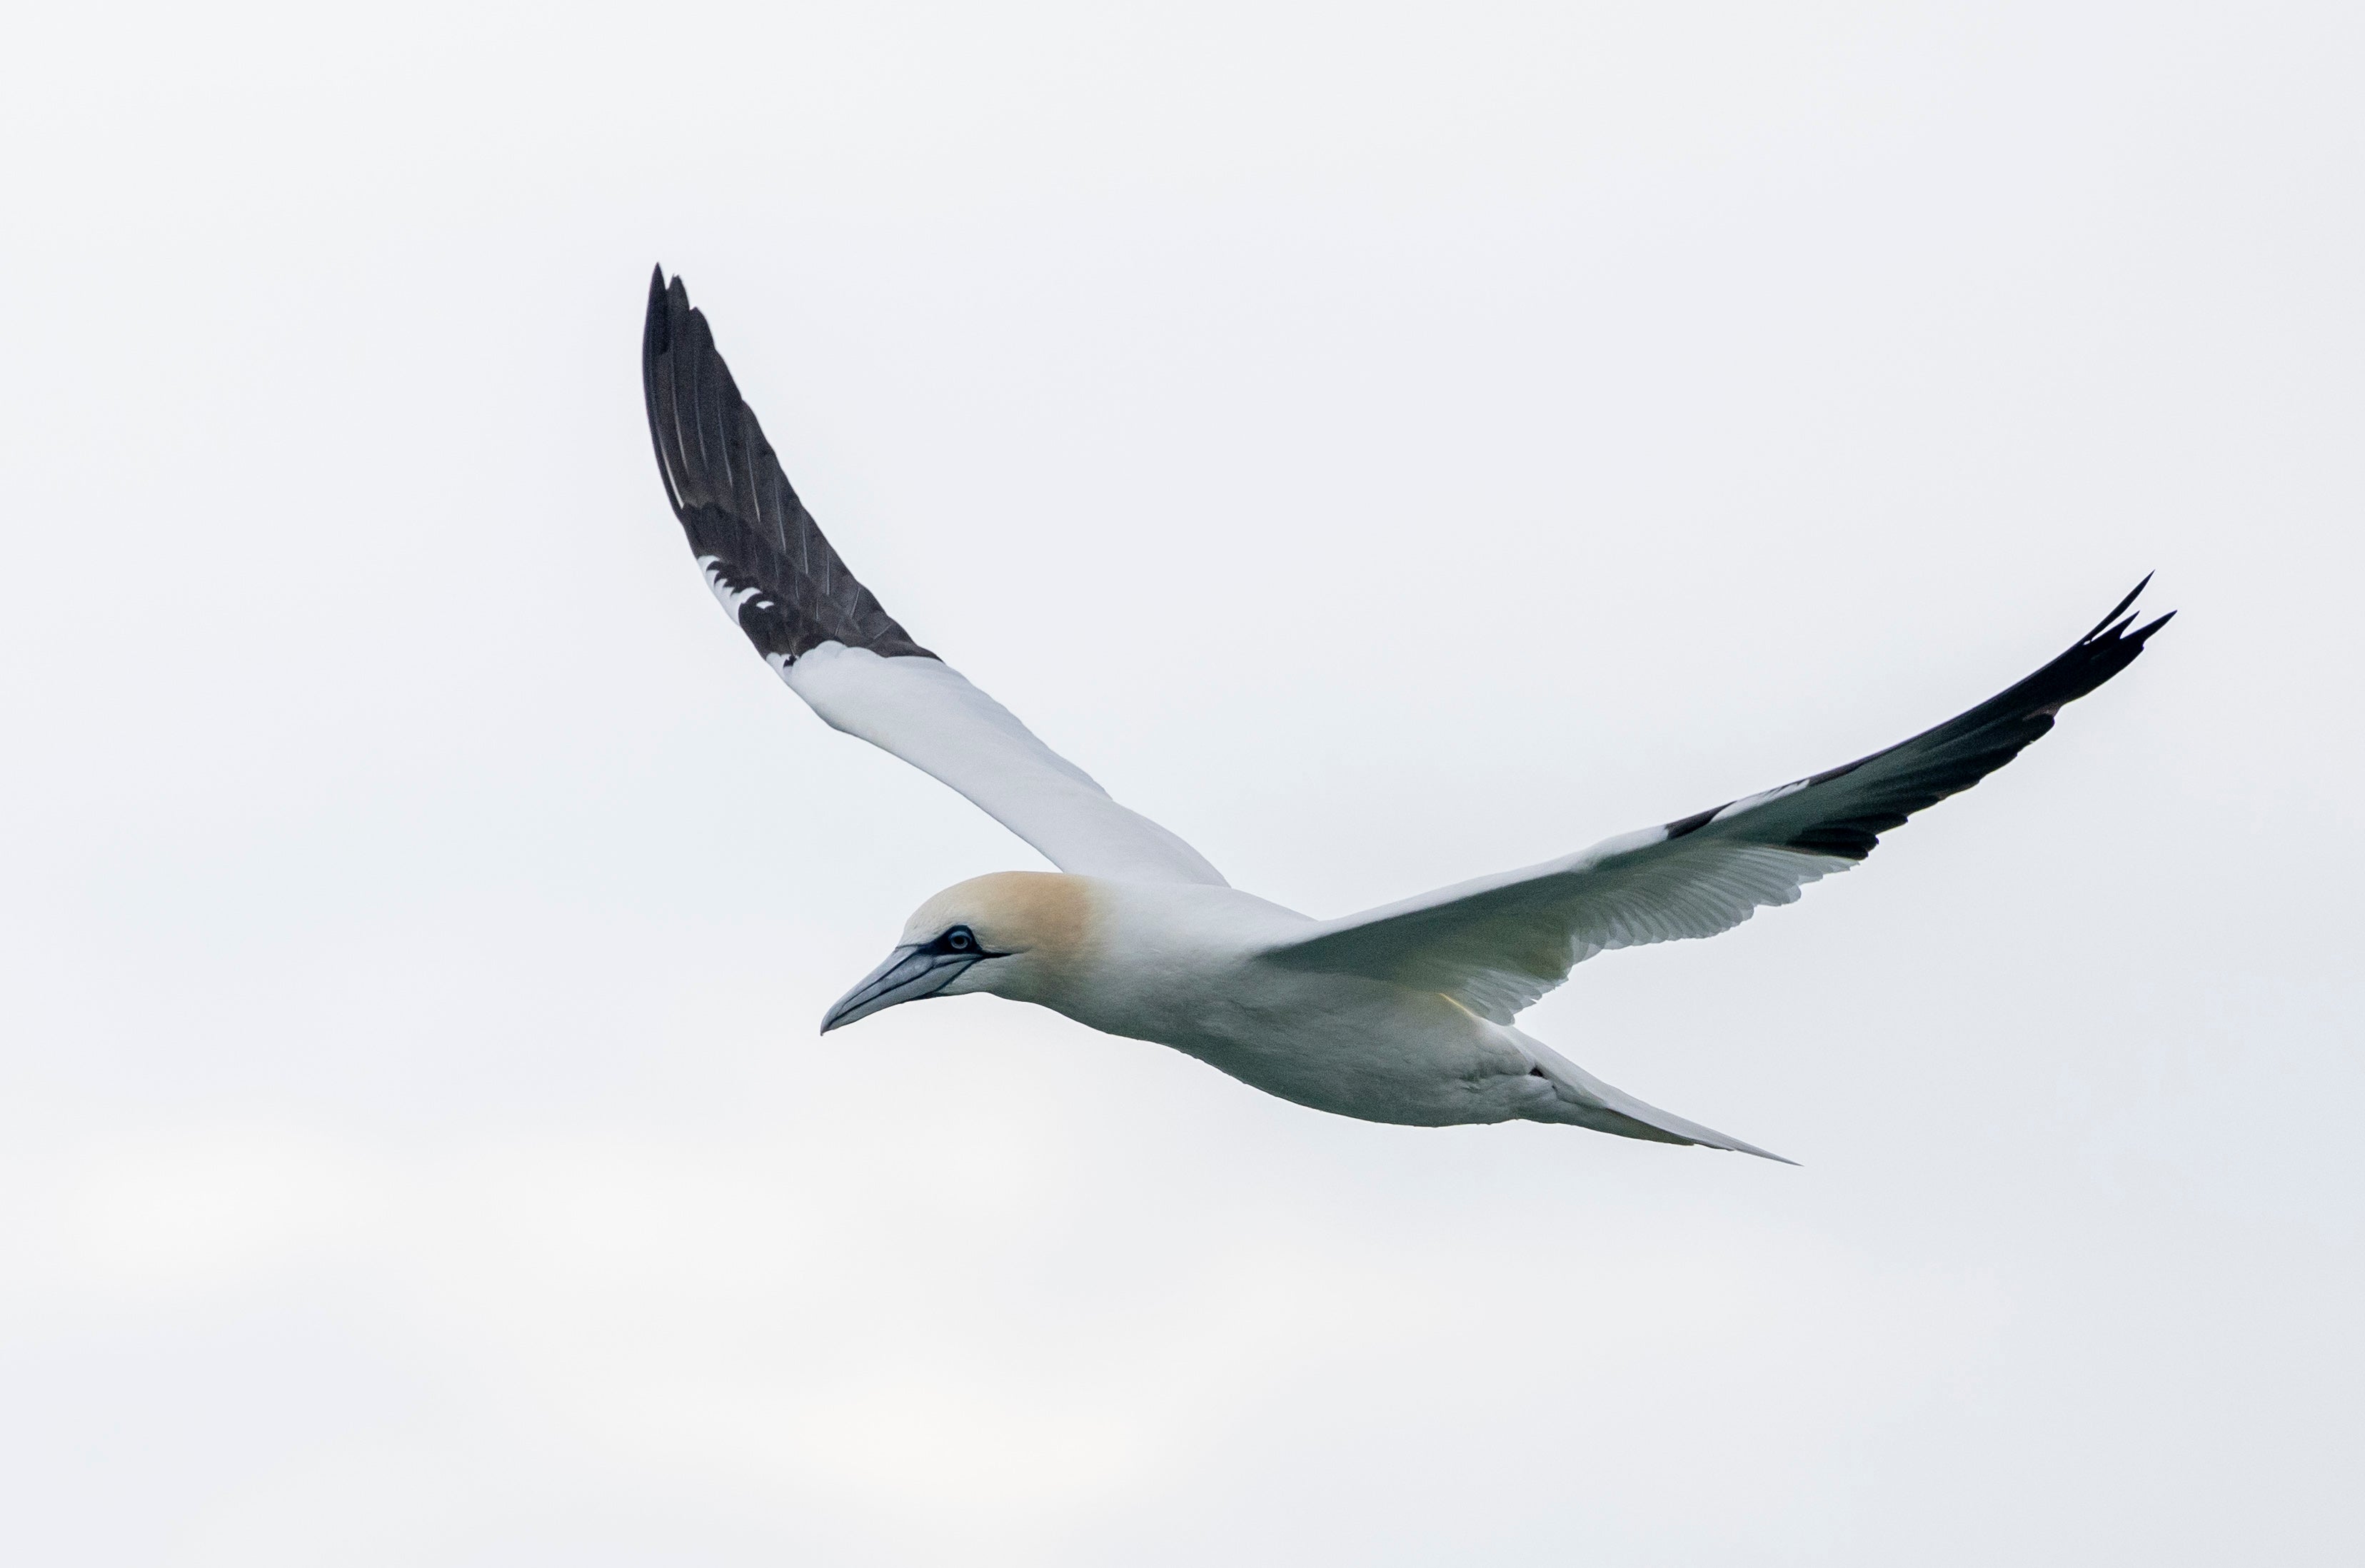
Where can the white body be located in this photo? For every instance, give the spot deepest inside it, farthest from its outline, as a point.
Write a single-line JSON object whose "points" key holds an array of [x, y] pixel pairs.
{"points": [[1179, 965], [1187, 966]]}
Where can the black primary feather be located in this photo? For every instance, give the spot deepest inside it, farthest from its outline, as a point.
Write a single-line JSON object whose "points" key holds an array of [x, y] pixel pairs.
{"points": [[740, 511], [1843, 810]]}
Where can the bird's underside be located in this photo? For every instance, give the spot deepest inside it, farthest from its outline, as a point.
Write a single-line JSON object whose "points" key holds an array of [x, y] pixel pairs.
{"points": [[1138, 899]]}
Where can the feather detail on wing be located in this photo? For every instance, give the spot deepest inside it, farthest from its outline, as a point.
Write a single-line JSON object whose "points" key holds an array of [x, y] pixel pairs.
{"points": [[1499, 942], [763, 555], [827, 636]]}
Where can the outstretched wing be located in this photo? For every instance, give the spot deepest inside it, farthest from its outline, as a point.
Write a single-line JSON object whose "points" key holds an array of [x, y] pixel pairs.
{"points": [[828, 637], [1498, 944]]}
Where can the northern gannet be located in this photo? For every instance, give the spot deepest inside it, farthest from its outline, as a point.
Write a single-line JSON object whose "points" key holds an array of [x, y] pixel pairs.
{"points": [[1402, 1013]]}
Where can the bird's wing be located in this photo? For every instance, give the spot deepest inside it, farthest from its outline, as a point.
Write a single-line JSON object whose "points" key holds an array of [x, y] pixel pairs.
{"points": [[824, 633], [1498, 943]]}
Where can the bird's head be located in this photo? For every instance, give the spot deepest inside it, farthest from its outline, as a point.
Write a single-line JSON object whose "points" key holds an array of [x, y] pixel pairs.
{"points": [[1015, 934]]}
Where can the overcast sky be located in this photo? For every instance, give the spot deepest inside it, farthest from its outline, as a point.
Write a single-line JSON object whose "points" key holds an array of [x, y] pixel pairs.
{"points": [[1386, 444]]}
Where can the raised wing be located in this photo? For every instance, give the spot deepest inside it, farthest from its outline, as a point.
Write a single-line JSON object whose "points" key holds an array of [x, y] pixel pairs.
{"points": [[1498, 943], [825, 634]]}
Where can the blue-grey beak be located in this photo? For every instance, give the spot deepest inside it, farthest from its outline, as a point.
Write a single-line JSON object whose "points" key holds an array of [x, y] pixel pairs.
{"points": [[908, 974]]}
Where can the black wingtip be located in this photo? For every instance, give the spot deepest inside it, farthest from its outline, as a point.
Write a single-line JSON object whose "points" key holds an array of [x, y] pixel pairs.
{"points": [[656, 333], [736, 508], [2118, 609]]}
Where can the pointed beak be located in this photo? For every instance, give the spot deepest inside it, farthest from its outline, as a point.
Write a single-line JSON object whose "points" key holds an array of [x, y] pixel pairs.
{"points": [[908, 974]]}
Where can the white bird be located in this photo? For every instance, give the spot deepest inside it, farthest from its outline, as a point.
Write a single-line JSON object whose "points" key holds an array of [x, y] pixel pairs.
{"points": [[1402, 1013]]}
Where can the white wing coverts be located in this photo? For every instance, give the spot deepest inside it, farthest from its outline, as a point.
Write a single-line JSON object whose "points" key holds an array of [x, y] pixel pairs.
{"points": [[1498, 943], [824, 633]]}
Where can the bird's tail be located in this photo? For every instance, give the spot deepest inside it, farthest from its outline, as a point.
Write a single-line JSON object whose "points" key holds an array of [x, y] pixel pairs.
{"points": [[1586, 1102]]}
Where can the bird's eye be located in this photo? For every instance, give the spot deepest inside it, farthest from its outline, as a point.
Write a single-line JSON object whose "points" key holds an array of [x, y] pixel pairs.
{"points": [[959, 940]]}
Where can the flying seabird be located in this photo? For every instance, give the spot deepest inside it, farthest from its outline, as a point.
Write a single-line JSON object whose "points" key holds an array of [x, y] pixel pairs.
{"points": [[1402, 1013]]}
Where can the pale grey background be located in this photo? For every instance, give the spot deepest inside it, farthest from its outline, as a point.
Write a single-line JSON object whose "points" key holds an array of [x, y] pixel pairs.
{"points": [[1384, 444]]}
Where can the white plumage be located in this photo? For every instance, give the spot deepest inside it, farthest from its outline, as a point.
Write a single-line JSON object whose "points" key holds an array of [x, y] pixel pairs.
{"points": [[924, 712], [1402, 1013]]}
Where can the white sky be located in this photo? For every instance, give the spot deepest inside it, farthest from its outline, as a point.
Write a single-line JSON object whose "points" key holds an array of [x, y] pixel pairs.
{"points": [[1386, 444]]}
